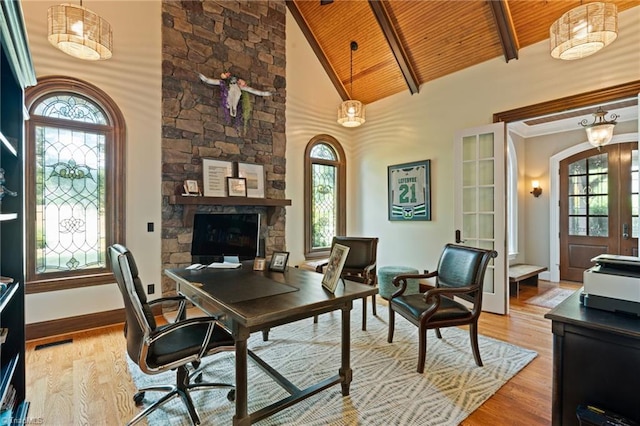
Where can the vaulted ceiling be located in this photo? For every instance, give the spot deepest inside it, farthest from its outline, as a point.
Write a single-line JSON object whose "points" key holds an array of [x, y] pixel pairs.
{"points": [[405, 43]]}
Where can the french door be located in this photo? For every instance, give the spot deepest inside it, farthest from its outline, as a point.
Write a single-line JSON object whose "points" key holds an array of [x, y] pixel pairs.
{"points": [[598, 206], [480, 207]]}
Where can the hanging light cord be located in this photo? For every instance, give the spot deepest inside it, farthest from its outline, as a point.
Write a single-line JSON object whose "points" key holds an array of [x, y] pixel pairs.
{"points": [[354, 47]]}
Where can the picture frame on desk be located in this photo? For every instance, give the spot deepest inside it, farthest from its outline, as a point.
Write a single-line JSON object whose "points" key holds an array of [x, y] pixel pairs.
{"points": [[214, 177], [279, 261], [259, 264], [254, 174], [334, 268]]}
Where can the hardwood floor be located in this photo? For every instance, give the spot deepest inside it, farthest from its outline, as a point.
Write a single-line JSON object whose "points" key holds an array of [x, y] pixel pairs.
{"points": [[87, 382]]}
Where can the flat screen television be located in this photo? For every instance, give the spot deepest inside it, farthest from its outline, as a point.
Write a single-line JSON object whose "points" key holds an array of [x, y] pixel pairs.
{"points": [[216, 235]]}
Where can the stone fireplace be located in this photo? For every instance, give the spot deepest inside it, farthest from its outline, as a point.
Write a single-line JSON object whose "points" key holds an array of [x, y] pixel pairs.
{"points": [[247, 39]]}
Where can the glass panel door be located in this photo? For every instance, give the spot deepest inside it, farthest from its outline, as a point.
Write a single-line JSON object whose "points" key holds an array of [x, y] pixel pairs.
{"points": [[479, 212]]}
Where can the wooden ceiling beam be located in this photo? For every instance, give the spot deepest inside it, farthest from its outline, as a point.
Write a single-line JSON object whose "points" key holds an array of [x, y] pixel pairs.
{"points": [[382, 15], [505, 27], [304, 27]]}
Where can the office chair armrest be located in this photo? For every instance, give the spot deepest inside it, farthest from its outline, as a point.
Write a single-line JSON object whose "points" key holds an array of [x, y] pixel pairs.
{"points": [[170, 328], [163, 332], [176, 298], [402, 280], [182, 306]]}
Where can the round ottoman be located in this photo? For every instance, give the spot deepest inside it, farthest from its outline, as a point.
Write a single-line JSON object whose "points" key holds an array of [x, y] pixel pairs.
{"points": [[385, 280]]}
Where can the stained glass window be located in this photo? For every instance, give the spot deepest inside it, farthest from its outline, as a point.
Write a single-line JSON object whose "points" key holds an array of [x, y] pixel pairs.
{"points": [[324, 204], [74, 184], [325, 193], [71, 108], [70, 197]]}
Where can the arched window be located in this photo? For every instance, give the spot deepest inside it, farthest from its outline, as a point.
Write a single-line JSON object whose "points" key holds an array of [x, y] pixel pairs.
{"points": [[75, 186], [324, 194]]}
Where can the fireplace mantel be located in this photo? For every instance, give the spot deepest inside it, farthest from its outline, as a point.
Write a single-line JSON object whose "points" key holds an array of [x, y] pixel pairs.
{"points": [[274, 206]]}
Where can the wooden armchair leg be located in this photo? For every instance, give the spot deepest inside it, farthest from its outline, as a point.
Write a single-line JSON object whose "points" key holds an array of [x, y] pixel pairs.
{"points": [[438, 334], [373, 304], [422, 349], [473, 334], [315, 319], [392, 324]]}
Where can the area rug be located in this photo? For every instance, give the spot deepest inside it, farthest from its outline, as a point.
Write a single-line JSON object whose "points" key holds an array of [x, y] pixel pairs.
{"points": [[386, 389], [550, 298]]}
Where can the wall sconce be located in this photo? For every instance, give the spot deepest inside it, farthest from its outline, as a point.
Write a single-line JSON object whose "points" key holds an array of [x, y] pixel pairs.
{"points": [[536, 188]]}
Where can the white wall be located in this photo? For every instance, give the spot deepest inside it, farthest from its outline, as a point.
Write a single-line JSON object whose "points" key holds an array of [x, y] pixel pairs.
{"points": [[132, 77], [406, 128], [312, 109]]}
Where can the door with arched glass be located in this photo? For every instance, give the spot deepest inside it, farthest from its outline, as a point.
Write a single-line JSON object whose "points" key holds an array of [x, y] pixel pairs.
{"points": [[598, 207]]}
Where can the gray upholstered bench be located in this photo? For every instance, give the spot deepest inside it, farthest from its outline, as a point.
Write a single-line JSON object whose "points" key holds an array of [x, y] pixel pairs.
{"points": [[523, 273]]}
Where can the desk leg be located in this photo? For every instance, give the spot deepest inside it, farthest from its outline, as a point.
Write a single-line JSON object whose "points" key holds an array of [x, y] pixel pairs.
{"points": [[345, 370], [242, 413]]}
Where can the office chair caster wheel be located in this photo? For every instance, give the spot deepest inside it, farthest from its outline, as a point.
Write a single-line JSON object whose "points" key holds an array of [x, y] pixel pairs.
{"points": [[231, 396], [138, 398]]}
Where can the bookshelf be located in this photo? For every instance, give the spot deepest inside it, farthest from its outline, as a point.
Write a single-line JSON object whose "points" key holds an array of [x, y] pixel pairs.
{"points": [[16, 73]]}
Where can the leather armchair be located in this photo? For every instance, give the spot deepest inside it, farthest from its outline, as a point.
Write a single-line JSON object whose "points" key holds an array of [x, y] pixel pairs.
{"points": [[460, 273], [158, 348], [359, 266]]}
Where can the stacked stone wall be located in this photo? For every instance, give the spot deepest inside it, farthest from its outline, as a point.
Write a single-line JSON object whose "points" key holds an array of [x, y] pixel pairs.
{"points": [[247, 39]]}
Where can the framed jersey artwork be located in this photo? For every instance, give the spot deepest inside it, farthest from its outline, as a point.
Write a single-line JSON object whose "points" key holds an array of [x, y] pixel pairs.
{"points": [[410, 191]]}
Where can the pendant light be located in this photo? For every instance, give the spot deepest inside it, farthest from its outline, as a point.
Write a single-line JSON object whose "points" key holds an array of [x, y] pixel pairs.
{"points": [[584, 30], [79, 32], [600, 132], [351, 112]]}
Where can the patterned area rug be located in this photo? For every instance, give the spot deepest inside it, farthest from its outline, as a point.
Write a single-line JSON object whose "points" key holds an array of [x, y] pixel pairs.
{"points": [[385, 389], [550, 298]]}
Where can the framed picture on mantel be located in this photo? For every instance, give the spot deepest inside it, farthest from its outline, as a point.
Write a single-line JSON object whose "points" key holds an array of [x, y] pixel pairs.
{"points": [[254, 174], [214, 177]]}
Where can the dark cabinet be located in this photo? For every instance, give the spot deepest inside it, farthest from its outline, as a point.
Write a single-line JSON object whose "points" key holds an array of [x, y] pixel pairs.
{"points": [[16, 73], [596, 361]]}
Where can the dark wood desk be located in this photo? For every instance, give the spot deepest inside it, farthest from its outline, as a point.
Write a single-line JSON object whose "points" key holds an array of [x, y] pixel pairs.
{"points": [[281, 298], [596, 360]]}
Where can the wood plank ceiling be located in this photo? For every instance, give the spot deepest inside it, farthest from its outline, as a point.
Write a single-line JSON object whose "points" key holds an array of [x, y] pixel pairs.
{"points": [[403, 44]]}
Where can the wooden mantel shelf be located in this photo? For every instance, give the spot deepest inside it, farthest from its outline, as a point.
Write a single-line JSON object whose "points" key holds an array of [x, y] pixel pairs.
{"points": [[274, 206]]}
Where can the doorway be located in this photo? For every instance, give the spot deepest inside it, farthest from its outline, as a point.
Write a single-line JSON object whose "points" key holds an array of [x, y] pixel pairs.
{"points": [[598, 206], [621, 92]]}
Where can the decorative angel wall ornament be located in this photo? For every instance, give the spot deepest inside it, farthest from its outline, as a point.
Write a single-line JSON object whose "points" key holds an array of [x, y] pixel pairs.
{"points": [[232, 90]]}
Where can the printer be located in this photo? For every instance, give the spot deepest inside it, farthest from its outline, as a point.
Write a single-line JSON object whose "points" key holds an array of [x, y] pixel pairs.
{"points": [[613, 284]]}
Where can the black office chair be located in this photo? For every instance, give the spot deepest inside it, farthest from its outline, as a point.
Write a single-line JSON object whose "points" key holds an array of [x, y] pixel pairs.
{"points": [[460, 273], [359, 266], [156, 349]]}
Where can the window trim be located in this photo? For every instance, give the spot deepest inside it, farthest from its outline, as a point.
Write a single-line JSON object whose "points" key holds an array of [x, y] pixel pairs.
{"points": [[115, 166], [341, 165]]}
